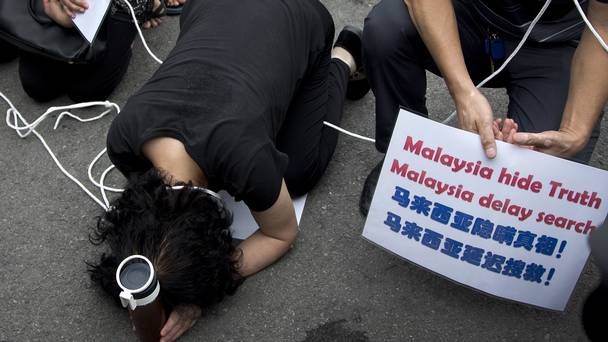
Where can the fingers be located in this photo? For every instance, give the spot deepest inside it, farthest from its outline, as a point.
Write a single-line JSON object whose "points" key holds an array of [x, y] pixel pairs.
{"points": [[152, 23], [171, 326], [509, 137], [496, 130], [180, 320], [486, 134], [75, 6], [539, 141], [179, 329]]}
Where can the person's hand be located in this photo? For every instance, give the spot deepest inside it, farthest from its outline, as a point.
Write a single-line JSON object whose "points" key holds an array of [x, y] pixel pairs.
{"points": [[562, 143], [55, 10], [75, 6], [475, 115], [182, 318], [504, 130]]}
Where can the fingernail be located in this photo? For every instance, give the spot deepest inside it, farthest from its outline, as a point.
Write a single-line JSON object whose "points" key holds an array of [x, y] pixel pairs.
{"points": [[491, 152]]}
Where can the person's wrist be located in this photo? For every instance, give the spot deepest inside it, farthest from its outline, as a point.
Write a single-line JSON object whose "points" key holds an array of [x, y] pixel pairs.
{"points": [[461, 90], [577, 137]]}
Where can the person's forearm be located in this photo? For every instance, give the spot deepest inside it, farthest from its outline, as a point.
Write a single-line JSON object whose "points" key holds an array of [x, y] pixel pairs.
{"points": [[436, 23], [588, 90], [260, 251], [278, 230]]}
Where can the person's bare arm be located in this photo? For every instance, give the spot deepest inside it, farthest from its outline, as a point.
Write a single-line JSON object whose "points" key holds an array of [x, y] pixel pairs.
{"points": [[436, 23], [278, 230], [587, 94]]}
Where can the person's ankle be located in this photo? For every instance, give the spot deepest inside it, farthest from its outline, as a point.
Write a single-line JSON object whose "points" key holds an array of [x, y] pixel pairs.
{"points": [[344, 56]]}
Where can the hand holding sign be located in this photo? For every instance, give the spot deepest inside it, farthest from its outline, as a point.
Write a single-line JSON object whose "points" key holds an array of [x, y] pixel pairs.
{"points": [[557, 143], [475, 115], [74, 6]]}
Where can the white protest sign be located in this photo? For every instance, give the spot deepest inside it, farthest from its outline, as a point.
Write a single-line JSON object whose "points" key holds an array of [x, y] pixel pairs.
{"points": [[243, 223], [88, 23], [514, 227]]}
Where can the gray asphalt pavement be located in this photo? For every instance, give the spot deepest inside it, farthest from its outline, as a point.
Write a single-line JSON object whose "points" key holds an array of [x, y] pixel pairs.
{"points": [[334, 285]]}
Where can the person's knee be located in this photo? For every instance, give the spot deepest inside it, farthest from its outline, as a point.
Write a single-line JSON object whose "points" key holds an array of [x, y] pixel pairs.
{"points": [[38, 91], [297, 186], [300, 180], [386, 29]]}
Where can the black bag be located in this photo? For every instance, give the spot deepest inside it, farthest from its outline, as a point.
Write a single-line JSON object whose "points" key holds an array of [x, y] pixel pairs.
{"points": [[24, 24]]}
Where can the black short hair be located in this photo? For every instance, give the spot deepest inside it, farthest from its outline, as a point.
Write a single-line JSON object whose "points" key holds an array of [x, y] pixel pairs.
{"points": [[183, 234]]}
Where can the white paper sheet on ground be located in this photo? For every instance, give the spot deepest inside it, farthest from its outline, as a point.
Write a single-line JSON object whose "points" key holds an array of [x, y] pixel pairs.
{"points": [[243, 224], [88, 23]]}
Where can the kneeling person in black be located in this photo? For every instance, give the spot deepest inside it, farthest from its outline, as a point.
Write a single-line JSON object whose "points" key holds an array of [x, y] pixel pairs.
{"points": [[239, 105]]}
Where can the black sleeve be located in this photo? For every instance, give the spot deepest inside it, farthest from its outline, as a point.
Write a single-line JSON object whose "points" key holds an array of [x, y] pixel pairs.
{"points": [[253, 175]]}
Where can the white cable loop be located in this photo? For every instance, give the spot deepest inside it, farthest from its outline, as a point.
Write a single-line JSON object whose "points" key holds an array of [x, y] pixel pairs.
{"points": [[23, 128], [31, 128]]}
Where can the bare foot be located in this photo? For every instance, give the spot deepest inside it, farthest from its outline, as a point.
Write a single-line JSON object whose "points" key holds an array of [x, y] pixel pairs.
{"points": [[174, 3], [154, 22], [345, 56], [55, 10], [182, 318]]}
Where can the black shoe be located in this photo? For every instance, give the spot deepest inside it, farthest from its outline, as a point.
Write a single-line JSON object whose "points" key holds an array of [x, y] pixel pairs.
{"points": [[368, 188], [350, 40]]}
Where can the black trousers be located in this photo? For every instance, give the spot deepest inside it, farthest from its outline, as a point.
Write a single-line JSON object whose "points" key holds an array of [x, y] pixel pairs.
{"points": [[303, 136], [7, 52], [44, 79], [396, 58]]}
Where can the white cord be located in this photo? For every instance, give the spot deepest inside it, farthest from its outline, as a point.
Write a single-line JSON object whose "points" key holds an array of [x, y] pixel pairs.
{"points": [[101, 179], [31, 128], [141, 35], [504, 65], [591, 28], [23, 128], [340, 129]]}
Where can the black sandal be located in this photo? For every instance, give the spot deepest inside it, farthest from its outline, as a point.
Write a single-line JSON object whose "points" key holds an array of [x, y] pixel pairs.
{"points": [[350, 40]]}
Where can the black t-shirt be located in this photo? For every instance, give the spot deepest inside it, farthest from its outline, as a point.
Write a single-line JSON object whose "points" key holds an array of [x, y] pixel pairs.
{"points": [[224, 91], [560, 23]]}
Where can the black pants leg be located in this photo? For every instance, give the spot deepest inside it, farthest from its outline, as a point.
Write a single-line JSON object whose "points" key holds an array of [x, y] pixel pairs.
{"points": [[396, 60], [7, 52], [303, 136], [103, 76], [538, 81], [44, 79]]}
